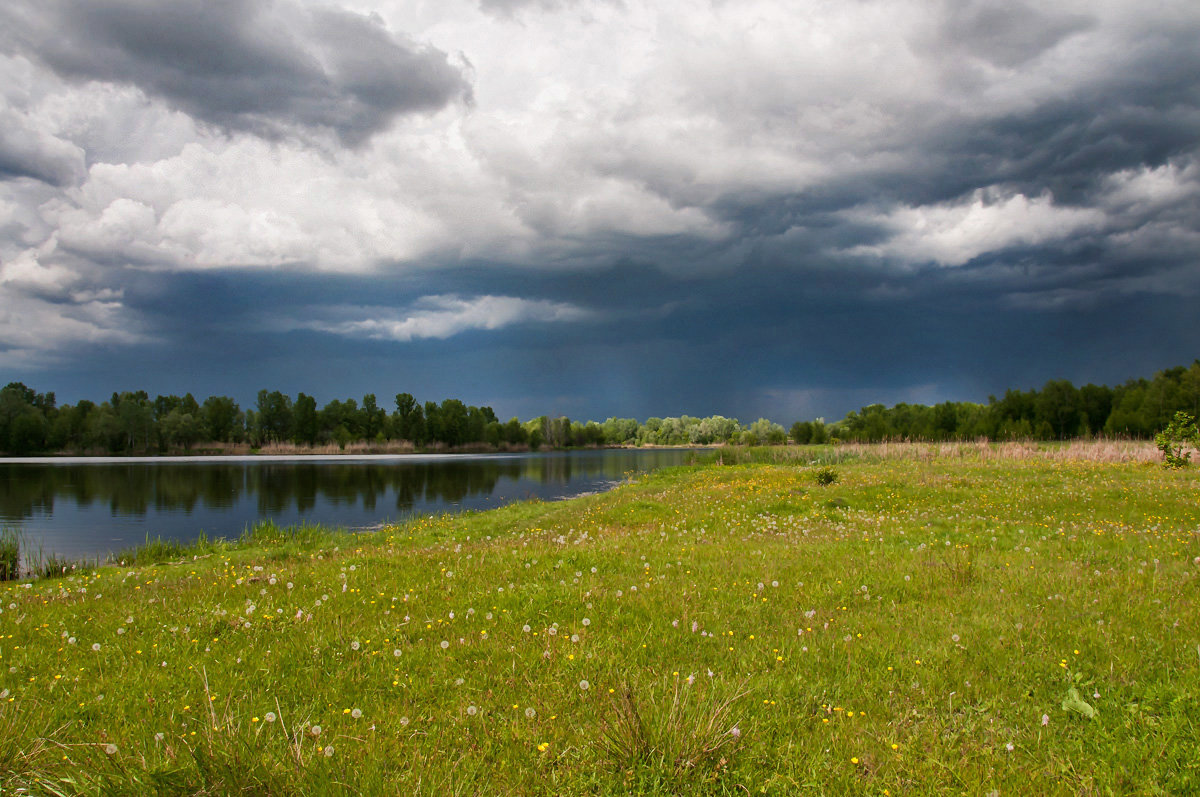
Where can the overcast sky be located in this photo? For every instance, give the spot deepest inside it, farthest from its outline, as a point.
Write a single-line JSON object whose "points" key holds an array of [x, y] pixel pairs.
{"points": [[598, 207]]}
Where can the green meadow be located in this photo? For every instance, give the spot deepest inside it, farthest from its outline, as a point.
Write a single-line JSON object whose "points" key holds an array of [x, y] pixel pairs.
{"points": [[902, 620]]}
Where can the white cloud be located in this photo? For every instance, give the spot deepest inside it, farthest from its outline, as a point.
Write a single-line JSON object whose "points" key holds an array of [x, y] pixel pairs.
{"points": [[594, 125], [1152, 188], [951, 234], [45, 309], [448, 315]]}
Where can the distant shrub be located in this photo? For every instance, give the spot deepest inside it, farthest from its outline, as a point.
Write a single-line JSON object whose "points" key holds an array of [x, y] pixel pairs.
{"points": [[1173, 441], [826, 475]]}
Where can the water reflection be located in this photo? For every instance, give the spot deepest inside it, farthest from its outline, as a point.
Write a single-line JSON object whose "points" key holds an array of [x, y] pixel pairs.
{"points": [[90, 509]]}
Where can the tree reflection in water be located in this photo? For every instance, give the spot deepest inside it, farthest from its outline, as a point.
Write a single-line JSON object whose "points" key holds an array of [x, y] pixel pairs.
{"points": [[178, 499]]}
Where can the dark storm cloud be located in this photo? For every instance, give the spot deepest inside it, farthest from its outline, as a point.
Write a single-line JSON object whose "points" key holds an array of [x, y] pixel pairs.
{"points": [[244, 65], [820, 342], [1003, 208]]}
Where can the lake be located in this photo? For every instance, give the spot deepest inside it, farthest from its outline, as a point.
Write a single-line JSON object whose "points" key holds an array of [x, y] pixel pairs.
{"points": [[90, 507]]}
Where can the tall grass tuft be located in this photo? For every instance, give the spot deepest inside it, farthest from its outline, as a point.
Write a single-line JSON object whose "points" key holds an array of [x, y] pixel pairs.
{"points": [[690, 735], [10, 554]]}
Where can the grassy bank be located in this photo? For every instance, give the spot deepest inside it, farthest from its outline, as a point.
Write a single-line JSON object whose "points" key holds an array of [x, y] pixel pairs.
{"points": [[958, 623]]}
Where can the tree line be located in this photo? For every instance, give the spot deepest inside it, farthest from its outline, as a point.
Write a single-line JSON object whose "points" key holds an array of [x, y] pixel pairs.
{"points": [[131, 422], [1058, 411]]}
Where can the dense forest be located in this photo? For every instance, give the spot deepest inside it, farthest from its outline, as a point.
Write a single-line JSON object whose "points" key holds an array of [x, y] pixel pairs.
{"points": [[1058, 411], [133, 423]]}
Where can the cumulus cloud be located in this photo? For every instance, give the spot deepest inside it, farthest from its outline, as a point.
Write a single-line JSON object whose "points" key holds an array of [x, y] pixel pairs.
{"points": [[860, 158], [29, 151], [445, 316], [953, 234], [48, 309], [267, 68]]}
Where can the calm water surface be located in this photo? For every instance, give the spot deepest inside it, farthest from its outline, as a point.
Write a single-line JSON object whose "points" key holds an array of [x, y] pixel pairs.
{"points": [[92, 507]]}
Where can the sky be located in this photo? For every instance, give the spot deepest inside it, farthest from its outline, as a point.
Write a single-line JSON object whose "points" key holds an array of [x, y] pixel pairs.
{"points": [[598, 208]]}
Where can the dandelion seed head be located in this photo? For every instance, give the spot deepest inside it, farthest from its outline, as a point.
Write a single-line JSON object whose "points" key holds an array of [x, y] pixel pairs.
{"points": [[96, 646], [530, 712], [315, 730], [111, 749], [356, 713], [471, 711], [269, 716], [584, 685]]}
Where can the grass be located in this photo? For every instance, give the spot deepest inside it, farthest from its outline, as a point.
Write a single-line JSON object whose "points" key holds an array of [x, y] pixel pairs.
{"points": [[10, 554], [944, 622]]}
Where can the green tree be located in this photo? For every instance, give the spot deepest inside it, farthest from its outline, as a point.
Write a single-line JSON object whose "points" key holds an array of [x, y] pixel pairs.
{"points": [[1176, 438], [182, 428], [306, 424], [273, 419], [452, 421], [409, 419], [1057, 407], [23, 423], [222, 419], [620, 431], [135, 415], [374, 418]]}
